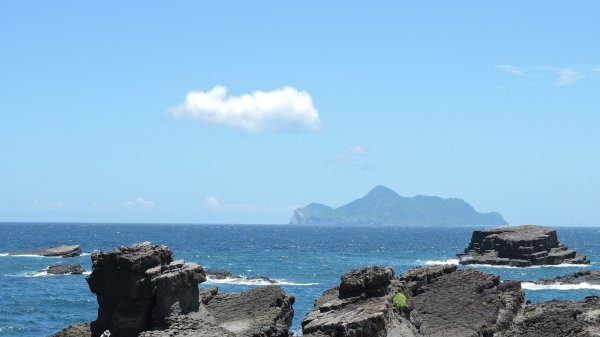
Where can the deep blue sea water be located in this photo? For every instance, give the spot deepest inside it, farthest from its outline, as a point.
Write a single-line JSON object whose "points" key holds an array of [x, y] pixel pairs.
{"points": [[306, 259]]}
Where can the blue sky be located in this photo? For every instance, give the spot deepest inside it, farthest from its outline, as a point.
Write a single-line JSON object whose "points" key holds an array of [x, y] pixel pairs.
{"points": [[237, 112]]}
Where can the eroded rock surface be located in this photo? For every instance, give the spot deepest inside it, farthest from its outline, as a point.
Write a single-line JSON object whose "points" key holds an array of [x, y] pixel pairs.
{"points": [[519, 246], [139, 286], [450, 302], [63, 251], [65, 268], [360, 306], [558, 319], [259, 312], [142, 292]]}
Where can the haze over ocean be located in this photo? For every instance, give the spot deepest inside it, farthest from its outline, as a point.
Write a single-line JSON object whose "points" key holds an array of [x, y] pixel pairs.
{"points": [[306, 259]]}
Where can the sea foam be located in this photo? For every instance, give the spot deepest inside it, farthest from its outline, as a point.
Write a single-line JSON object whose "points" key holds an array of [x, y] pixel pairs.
{"points": [[255, 282], [559, 286]]}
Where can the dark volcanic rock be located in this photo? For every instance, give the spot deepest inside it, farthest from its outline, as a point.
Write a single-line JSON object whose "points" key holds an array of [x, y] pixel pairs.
{"points": [[519, 246], [363, 308], [372, 281], [558, 319], [139, 286], [75, 330], [142, 292], [65, 268], [450, 302], [259, 312], [64, 251], [582, 276]]}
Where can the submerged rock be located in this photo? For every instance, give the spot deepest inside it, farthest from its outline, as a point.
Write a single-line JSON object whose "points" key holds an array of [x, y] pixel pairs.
{"points": [[519, 246], [582, 276], [65, 268], [63, 251]]}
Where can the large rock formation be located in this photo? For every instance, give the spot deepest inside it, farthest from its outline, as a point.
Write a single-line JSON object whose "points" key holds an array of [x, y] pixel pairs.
{"points": [[362, 305], [423, 302], [62, 251], [139, 286], [142, 292], [519, 246], [451, 302]]}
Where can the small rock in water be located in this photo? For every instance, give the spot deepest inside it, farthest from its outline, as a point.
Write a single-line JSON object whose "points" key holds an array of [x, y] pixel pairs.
{"points": [[65, 268]]}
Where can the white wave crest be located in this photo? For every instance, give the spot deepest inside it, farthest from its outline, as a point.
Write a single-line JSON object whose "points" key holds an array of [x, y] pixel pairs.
{"points": [[31, 255], [457, 262], [562, 265], [254, 282], [438, 262], [559, 286]]}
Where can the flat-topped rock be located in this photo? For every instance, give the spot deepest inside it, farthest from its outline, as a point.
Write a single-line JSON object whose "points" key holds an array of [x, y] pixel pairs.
{"points": [[65, 268], [63, 251], [519, 246]]}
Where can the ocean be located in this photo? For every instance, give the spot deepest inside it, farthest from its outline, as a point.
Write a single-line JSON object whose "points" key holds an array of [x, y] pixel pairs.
{"points": [[306, 260]]}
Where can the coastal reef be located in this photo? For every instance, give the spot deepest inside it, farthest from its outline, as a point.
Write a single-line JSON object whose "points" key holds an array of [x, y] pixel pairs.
{"points": [[142, 291], [519, 246]]}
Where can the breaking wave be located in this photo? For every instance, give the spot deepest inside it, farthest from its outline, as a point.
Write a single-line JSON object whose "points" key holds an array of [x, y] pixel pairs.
{"points": [[255, 282], [456, 262], [558, 286]]}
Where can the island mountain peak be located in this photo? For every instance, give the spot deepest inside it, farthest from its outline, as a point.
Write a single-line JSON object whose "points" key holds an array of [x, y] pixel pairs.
{"points": [[383, 206]]}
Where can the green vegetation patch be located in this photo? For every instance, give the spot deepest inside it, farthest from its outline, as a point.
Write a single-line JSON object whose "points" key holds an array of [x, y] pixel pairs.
{"points": [[400, 301]]}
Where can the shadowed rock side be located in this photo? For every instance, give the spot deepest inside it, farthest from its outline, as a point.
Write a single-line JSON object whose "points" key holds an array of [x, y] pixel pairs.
{"points": [[63, 251], [558, 319], [519, 246], [141, 291]]}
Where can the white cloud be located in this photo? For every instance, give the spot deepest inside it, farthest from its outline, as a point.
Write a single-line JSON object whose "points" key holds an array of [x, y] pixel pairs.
{"points": [[568, 76], [215, 204], [358, 149], [138, 202], [211, 202], [281, 109], [596, 69], [48, 205], [512, 70]]}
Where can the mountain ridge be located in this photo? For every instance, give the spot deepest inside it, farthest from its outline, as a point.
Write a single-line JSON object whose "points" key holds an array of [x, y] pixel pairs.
{"points": [[383, 206]]}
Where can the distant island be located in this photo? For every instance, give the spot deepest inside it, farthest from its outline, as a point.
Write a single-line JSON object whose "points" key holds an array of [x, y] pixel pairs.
{"points": [[382, 206]]}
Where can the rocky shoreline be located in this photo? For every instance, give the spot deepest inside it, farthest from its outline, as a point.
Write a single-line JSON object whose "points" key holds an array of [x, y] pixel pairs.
{"points": [[143, 291]]}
